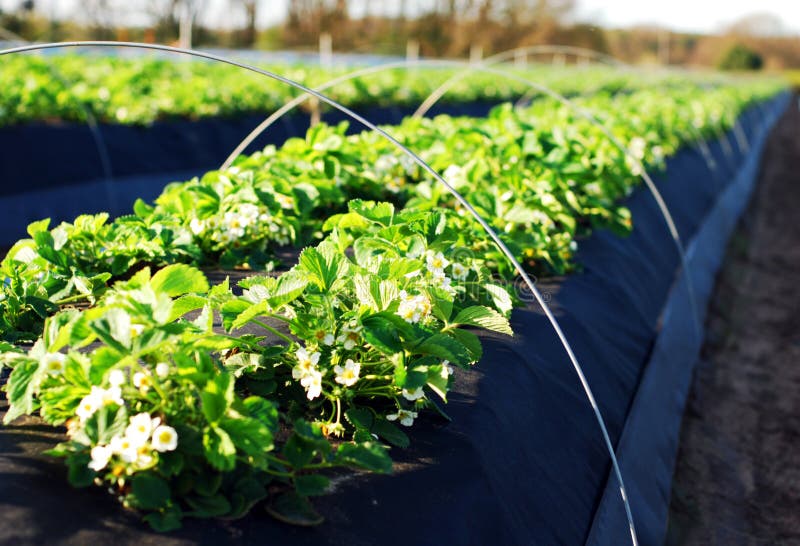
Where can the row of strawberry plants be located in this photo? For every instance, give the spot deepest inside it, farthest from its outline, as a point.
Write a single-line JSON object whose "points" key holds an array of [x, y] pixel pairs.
{"points": [[140, 91], [544, 177], [177, 418], [314, 369]]}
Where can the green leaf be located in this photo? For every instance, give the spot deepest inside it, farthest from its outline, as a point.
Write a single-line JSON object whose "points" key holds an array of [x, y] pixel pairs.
{"points": [[445, 348], [179, 279], [142, 209], [309, 485], [208, 507], [298, 451], [380, 213], [263, 410], [252, 312], [500, 297], [165, 521], [365, 248], [367, 455], [381, 333], [217, 397], [207, 484], [231, 310], [483, 317], [323, 267], [20, 389], [348, 220], [294, 509], [36, 227], [114, 329], [45, 249], [148, 491], [249, 435], [290, 286], [219, 450], [359, 418], [78, 472], [391, 433], [248, 490], [436, 381], [185, 304], [442, 308], [470, 341]]}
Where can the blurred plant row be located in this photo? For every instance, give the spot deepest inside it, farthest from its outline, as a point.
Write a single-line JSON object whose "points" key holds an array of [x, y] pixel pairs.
{"points": [[143, 90]]}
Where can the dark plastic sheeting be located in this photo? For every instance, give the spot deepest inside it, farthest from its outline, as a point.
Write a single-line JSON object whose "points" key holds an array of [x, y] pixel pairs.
{"points": [[56, 170], [648, 445], [523, 461]]}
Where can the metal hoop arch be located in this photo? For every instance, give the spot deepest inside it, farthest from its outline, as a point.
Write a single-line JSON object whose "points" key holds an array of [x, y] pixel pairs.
{"points": [[492, 234]]}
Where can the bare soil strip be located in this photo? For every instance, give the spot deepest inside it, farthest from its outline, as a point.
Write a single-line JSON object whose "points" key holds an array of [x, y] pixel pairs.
{"points": [[737, 479]]}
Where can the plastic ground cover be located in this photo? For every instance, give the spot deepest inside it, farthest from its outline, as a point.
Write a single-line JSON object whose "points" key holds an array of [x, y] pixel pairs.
{"points": [[522, 461], [57, 172]]}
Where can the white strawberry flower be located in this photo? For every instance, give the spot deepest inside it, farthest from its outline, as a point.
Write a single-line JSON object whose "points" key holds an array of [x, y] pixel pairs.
{"points": [[593, 188], [234, 221], [350, 336], [197, 226], [413, 309], [436, 262], [162, 369], [313, 384], [459, 271], [100, 457], [212, 224], [455, 175], [97, 398], [325, 338], [284, 201], [408, 163], [142, 381], [125, 448], [112, 395], [658, 153], [541, 218], [637, 147], [405, 417], [306, 363], [136, 330], [385, 163], [144, 457], [347, 375], [443, 280], [53, 363], [165, 438], [249, 213], [140, 428], [116, 378], [416, 394]]}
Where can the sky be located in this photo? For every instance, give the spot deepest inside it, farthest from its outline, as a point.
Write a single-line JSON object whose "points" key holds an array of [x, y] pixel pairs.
{"points": [[684, 15]]}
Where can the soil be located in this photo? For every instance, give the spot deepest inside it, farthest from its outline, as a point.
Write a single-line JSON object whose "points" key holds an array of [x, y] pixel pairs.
{"points": [[737, 478]]}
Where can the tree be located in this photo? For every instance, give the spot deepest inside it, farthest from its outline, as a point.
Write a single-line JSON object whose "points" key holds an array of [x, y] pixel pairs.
{"points": [[251, 13], [740, 57]]}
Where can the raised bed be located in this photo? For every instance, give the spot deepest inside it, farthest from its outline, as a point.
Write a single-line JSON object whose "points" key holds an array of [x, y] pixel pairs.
{"points": [[523, 460], [57, 171]]}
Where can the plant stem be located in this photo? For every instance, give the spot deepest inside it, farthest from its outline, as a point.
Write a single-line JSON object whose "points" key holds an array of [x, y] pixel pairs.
{"points": [[269, 328]]}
